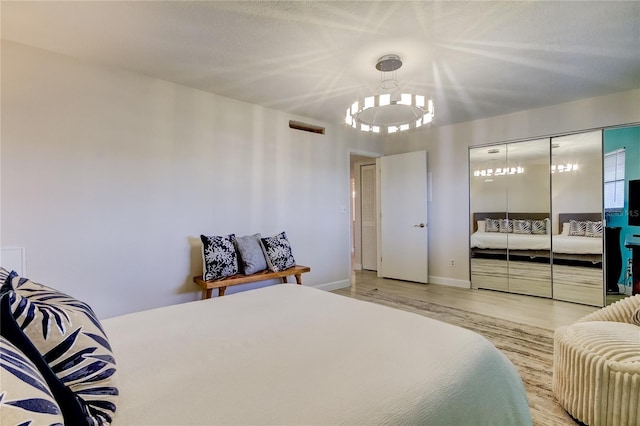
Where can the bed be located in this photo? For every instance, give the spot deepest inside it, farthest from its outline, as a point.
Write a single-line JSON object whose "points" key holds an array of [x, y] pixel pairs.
{"points": [[565, 248], [279, 355], [291, 354]]}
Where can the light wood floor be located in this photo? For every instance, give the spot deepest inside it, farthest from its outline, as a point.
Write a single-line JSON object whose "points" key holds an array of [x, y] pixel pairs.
{"points": [[536, 311]]}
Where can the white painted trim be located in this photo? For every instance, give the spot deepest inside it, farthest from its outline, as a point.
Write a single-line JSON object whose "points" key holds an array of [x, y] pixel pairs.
{"points": [[357, 266], [333, 286], [449, 282]]}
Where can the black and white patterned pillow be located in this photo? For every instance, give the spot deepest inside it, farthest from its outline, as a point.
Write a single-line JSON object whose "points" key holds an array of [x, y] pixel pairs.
{"points": [[593, 229], [68, 336], [492, 225], [219, 257], [278, 252], [539, 227], [25, 398], [506, 225], [577, 228], [521, 226]]}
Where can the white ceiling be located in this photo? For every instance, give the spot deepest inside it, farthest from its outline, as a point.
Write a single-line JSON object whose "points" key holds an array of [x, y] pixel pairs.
{"points": [[313, 58]]}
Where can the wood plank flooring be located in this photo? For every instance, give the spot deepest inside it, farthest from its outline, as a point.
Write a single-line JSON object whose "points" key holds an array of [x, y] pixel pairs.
{"points": [[536, 311]]}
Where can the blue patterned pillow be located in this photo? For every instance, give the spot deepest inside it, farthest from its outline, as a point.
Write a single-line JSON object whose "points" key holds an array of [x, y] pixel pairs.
{"points": [[69, 337], [505, 225], [539, 227], [219, 257], [577, 228], [278, 252], [25, 397], [4, 274], [593, 229], [492, 225], [521, 226]]}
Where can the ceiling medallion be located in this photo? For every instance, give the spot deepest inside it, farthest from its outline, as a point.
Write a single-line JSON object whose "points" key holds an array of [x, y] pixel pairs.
{"points": [[389, 111]]}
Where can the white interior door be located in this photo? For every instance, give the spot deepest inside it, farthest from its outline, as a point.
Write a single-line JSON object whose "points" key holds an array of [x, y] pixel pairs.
{"points": [[368, 217], [403, 230]]}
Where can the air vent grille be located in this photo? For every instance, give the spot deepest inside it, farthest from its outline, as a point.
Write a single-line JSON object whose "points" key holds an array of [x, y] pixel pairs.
{"points": [[299, 125]]}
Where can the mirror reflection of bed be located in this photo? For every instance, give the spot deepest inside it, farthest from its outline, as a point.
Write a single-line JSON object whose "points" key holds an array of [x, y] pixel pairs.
{"points": [[510, 261], [577, 260]]}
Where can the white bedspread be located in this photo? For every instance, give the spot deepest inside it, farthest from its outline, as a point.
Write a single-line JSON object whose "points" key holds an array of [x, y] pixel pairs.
{"points": [[294, 355], [561, 243]]}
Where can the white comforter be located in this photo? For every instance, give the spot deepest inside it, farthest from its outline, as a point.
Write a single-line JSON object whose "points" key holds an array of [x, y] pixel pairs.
{"points": [[561, 243], [293, 355]]}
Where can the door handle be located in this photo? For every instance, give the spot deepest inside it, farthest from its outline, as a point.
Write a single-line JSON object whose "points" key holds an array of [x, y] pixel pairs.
{"points": [[421, 225]]}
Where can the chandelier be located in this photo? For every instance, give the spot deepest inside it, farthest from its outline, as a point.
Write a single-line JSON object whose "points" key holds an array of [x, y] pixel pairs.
{"points": [[389, 111], [560, 168], [499, 171]]}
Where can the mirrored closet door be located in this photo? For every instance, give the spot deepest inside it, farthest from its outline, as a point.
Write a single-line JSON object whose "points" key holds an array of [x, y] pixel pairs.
{"points": [[488, 201], [578, 232], [510, 241]]}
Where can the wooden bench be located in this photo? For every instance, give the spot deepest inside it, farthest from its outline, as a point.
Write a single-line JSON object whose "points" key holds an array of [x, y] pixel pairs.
{"points": [[222, 283]]}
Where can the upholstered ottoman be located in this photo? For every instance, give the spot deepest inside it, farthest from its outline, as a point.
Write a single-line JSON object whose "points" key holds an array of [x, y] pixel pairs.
{"points": [[596, 367]]}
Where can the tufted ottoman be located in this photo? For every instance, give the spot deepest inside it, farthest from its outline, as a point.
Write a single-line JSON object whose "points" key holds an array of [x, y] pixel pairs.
{"points": [[596, 366]]}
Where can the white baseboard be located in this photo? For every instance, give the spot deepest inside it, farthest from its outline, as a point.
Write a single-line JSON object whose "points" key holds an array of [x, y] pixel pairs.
{"points": [[449, 282], [334, 285]]}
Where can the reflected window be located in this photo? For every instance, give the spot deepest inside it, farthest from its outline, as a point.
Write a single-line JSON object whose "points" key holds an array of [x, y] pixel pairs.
{"points": [[614, 179]]}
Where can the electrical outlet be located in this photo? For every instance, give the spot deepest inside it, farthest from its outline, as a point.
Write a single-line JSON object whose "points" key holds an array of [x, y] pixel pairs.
{"points": [[452, 263]]}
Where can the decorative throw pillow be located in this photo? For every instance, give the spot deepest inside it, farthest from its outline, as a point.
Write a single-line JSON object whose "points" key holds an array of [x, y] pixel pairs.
{"points": [[251, 255], [67, 334], [219, 258], [25, 398], [593, 229], [565, 228], [506, 225], [521, 226], [278, 252], [539, 227], [4, 274], [492, 225], [482, 226], [577, 228]]}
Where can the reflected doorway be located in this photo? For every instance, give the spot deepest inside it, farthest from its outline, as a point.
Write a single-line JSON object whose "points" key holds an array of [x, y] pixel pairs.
{"points": [[363, 192]]}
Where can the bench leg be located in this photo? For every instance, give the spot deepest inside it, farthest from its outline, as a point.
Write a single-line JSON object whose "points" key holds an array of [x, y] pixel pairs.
{"points": [[221, 291], [299, 279], [206, 293], [285, 280]]}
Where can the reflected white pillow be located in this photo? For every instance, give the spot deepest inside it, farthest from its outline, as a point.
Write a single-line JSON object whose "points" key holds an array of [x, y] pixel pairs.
{"points": [[482, 226], [565, 228]]}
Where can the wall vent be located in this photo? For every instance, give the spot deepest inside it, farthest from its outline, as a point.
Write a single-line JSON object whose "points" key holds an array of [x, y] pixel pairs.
{"points": [[299, 125]]}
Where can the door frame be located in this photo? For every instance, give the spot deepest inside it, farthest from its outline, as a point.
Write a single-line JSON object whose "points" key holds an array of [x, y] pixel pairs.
{"points": [[358, 221]]}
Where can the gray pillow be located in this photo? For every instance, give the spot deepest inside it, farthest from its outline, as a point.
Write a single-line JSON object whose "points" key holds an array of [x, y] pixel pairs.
{"points": [[251, 254]]}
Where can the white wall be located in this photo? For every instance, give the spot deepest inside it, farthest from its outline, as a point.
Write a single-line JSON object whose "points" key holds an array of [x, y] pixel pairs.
{"points": [[447, 147], [109, 178]]}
